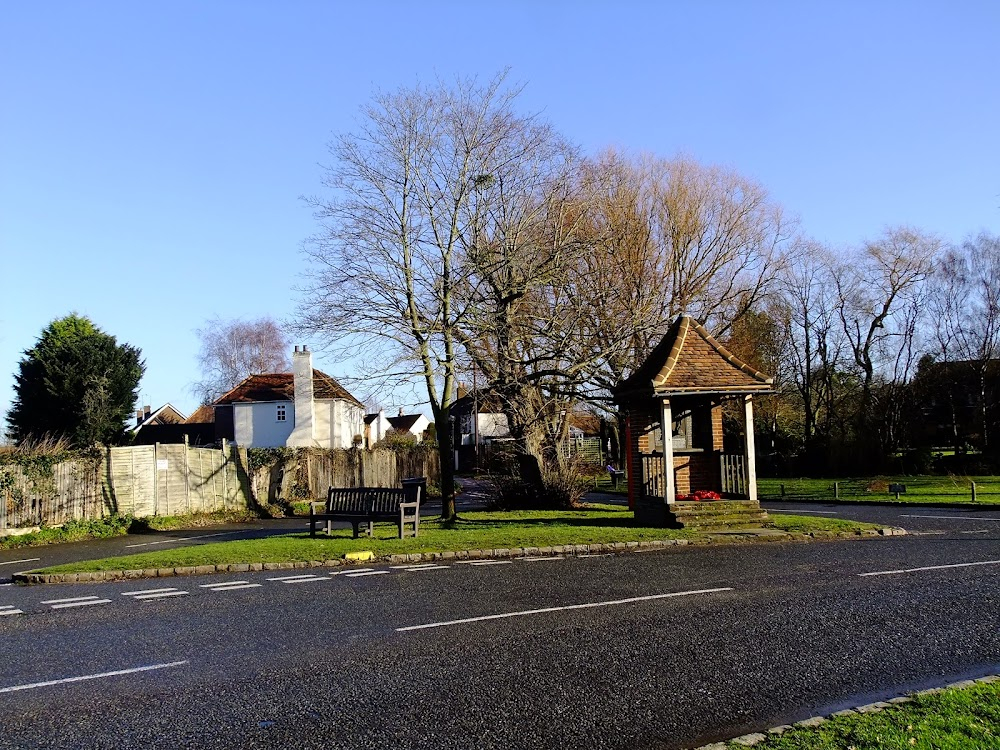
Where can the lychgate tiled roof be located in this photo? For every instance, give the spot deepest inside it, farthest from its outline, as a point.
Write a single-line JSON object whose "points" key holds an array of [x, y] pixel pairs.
{"points": [[280, 386], [689, 360]]}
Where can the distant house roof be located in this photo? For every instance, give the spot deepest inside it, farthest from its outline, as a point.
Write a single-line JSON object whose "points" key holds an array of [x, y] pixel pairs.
{"points": [[688, 360], [281, 387], [166, 414], [369, 418], [404, 422]]}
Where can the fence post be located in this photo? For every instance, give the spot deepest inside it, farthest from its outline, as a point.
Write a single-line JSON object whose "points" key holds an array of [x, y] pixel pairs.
{"points": [[836, 490], [225, 477], [973, 492], [782, 490]]}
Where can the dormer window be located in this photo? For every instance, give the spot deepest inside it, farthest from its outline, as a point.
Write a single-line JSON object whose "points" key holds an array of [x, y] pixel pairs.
{"points": [[281, 412]]}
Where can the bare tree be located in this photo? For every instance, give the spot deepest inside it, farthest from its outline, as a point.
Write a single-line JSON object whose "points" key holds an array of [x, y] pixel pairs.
{"points": [[965, 302], [387, 282], [674, 236], [880, 298], [232, 350]]}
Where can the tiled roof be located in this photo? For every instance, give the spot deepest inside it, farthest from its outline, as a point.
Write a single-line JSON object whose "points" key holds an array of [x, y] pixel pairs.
{"points": [[404, 422], [204, 414], [280, 386], [689, 360]]}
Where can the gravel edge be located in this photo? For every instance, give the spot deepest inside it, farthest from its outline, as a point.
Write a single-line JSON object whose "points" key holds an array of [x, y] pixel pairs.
{"points": [[30, 578]]}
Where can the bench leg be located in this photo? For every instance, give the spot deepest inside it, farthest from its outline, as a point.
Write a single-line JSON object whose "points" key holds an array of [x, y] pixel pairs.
{"points": [[355, 524]]}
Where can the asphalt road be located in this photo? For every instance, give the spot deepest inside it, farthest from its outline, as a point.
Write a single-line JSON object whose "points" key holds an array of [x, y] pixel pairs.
{"points": [[661, 650]]}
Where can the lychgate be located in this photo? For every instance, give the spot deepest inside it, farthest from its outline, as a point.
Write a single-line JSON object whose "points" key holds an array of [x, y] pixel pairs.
{"points": [[683, 384]]}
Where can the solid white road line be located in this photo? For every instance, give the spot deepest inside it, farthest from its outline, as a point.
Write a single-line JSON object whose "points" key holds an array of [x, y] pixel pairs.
{"points": [[81, 604], [589, 605], [952, 518], [15, 562], [929, 567], [146, 591], [366, 573], [161, 595], [491, 562], [63, 681]]}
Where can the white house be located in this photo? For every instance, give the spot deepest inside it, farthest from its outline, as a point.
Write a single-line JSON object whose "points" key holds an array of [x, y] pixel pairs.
{"points": [[305, 408], [376, 427]]}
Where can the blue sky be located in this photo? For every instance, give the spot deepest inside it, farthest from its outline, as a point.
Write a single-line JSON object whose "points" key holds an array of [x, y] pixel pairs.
{"points": [[153, 155]]}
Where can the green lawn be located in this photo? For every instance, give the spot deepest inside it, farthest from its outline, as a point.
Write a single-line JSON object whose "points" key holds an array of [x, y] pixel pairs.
{"points": [[594, 524], [942, 489], [956, 719]]}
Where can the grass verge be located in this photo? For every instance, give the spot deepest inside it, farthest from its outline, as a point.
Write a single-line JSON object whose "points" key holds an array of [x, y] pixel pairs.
{"points": [[954, 719], [593, 524]]}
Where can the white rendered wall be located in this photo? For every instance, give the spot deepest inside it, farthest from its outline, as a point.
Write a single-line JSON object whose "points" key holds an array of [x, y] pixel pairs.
{"points": [[257, 426]]}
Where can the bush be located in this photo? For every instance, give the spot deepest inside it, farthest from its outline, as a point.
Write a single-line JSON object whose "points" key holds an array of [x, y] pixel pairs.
{"points": [[563, 484]]}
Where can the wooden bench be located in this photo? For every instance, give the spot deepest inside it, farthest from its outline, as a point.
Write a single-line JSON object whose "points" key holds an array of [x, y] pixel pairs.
{"points": [[616, 476], [359, 505]]}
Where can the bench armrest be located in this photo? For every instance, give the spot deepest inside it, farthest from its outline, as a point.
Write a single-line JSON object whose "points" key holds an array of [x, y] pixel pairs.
{"points": [[317, 507]]}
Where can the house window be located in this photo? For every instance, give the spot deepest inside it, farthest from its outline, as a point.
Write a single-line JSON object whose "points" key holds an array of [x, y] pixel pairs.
{"points": [[281, 412]]}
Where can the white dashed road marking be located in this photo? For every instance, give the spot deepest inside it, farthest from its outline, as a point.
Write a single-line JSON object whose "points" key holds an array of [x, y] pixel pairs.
{"points": [[414, 567], [952, 518], [181, 539], [229, 585], [299, 579], [115, 673], [421, 568], [15, 562], [350, 570], [366, 573], [544, 610], [977, 531], [541, 559], [146, 591], [146, 595], [9, 609], [929, 567], [160, 595], [490, 562], [77, 601]]}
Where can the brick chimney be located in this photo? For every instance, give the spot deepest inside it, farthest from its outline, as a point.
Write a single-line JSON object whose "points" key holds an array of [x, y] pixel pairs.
{"points": [[302, 373]]}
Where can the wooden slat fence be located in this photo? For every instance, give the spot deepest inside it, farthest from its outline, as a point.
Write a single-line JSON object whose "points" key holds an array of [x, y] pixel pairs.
{"points": [[176, 479], [73, 491]]}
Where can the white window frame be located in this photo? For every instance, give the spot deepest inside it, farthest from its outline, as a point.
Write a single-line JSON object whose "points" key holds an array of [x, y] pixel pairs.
{"points": [[281, 413]]}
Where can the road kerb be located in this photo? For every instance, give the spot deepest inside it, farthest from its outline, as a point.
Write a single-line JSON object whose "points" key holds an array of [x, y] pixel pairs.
{"points": [[31, 578], [755, 738]]}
